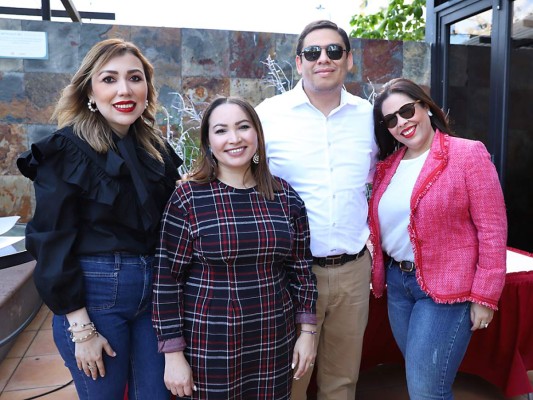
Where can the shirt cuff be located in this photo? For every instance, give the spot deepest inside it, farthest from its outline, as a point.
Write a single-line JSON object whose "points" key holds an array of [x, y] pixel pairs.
{"points": [[171, 345], [306, 318]]}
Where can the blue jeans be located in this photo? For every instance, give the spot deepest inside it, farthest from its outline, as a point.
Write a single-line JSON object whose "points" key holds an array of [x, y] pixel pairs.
{"points": [[118, 299], [432, 337]]}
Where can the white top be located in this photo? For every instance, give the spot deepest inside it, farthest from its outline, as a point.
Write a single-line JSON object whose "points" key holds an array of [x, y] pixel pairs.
{"points": [[394, 209], [328, 160]]}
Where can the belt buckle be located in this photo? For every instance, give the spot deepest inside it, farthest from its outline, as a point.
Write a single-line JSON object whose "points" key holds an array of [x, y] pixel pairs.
{"points": [[334, 261], [410, 268]]}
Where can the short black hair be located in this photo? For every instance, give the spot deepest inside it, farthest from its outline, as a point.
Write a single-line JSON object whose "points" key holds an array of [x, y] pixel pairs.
{"points": [[321, 24]]}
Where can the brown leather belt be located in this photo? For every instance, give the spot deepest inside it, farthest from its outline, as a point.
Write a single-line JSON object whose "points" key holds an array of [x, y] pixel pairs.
{"points": [[337, 261]]}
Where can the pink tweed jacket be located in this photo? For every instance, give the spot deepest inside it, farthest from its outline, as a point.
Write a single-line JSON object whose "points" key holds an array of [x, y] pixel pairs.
{"points": [[458, 224]]}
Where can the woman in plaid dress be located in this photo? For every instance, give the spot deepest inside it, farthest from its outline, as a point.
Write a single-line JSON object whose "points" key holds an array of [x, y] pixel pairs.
{"points": [[233, 274]]}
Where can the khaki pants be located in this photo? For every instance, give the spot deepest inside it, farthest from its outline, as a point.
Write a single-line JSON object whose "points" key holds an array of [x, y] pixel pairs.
{"points": [[342, 314]]}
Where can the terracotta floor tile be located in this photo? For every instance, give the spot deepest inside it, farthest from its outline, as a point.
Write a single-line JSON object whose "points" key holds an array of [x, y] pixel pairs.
{"points": [[7, 368], [39, 319], [22, 343], [66, 393], [41, 371], [47, 324], [43, 344]]}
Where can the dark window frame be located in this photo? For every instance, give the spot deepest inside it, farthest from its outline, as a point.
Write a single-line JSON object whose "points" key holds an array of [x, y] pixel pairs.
{"points": [[440, 15]]}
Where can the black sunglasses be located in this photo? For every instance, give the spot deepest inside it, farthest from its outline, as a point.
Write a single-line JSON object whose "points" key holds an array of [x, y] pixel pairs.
{"points": [[406, 111], [312, 53]]}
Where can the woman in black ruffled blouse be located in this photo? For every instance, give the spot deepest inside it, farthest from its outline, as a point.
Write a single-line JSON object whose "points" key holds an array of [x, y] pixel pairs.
{"points": [[101, 182]]}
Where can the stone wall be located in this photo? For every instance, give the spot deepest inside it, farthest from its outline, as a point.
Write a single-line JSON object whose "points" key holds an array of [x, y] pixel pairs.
{"points": [[199, 63]]}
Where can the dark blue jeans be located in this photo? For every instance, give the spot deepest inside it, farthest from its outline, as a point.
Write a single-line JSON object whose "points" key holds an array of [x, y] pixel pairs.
{"points": [[118, 300], [433, 337]]}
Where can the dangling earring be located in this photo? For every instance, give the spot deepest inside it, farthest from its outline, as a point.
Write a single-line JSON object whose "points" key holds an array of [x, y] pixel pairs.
{"points": [[146, 104], [91, 105], [255, 158], [430, 113]]}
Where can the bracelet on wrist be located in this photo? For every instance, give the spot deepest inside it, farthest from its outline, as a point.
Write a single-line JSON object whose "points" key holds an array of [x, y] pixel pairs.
{"points": [[81, 330], [85, 338], [88, 325], [308, 332]]}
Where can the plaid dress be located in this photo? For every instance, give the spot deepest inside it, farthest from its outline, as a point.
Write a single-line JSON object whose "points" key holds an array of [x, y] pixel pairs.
{"points": [[233, 276]]}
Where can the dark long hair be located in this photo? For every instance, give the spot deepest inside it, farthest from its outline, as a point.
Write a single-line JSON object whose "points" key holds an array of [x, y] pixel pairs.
{"points": [[207, 168], [386, 142]]}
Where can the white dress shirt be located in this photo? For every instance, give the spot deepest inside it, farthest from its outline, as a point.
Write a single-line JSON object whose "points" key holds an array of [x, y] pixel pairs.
{"points": [[328, 160]]}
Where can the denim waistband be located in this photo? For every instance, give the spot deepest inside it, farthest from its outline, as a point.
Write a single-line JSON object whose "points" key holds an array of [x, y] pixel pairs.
{"points": [[121, 257]]}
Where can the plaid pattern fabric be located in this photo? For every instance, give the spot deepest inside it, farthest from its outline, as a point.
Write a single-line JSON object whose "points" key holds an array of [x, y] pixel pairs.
{"points": [[232, 272]]}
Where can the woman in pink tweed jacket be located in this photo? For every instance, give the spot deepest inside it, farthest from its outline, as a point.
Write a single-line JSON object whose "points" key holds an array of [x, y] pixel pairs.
{"points": [[439, 230]]}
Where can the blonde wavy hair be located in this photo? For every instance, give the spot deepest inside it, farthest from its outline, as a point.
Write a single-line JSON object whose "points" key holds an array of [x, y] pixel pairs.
{"points": [[71, 109]]}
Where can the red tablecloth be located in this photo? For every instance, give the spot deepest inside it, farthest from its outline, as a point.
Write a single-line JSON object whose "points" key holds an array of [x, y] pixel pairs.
{"points": [[501, 354]]}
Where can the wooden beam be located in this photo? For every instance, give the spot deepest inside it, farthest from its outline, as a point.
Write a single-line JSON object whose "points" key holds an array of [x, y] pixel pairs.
{"points": [[73, 14]]}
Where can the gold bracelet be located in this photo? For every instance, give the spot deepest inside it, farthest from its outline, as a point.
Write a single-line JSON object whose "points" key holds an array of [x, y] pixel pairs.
{"points": [[85, 338], [309, 332], [89, 325]]}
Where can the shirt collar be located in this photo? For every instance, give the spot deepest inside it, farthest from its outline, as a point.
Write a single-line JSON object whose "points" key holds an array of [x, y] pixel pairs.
{"points": [[298, 96]]}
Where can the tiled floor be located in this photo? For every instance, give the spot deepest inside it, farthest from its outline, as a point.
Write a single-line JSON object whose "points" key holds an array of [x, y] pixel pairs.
{"points": [[34, 367]]}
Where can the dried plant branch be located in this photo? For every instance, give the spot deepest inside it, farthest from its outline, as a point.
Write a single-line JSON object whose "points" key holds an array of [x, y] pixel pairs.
{"points": [[183, 124], [183, 117], [372, 95], [276, 77]]}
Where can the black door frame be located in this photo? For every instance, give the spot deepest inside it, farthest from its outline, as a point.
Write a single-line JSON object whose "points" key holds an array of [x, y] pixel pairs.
{"points": [[438, 20]]}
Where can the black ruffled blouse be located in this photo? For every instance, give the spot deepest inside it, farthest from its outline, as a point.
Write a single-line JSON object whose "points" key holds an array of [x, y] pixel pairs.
{"points": [[90, 203]]}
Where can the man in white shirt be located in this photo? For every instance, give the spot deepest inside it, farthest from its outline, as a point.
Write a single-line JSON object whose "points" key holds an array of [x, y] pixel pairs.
{"points": [[320, 138]]}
